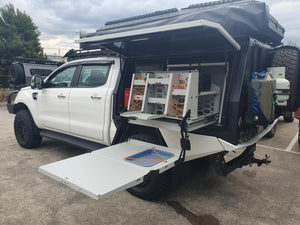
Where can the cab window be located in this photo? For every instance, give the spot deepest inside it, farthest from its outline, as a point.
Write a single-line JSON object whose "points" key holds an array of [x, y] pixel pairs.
{"points": [[93, 75], [62, 79]]}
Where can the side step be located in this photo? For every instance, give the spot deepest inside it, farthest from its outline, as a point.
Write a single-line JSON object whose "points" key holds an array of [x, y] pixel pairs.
{"points": [[78, 142]]}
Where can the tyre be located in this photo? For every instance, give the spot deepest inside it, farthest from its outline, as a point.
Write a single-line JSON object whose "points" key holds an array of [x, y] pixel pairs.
{"points": [[288, 57], [26, 132], [288, 117], [154, 185], [16, 75], [272, 132]]}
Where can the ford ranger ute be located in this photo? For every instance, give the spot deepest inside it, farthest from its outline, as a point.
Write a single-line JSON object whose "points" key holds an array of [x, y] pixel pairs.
{"points": [[166, 88]]}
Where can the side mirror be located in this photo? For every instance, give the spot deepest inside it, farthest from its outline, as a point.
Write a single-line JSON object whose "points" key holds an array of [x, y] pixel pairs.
{"points": [[37, 82]]}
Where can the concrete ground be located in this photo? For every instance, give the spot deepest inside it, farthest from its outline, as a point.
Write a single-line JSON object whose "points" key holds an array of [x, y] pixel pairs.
{"points": [[251, 195]]}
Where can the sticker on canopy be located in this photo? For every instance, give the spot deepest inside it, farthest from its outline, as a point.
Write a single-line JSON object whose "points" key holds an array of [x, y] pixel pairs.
{"points": [[149, 157]]}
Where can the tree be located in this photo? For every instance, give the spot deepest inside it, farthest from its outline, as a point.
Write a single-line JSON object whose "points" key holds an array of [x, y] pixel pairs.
{"points": [[19, 36], [292, 43]]}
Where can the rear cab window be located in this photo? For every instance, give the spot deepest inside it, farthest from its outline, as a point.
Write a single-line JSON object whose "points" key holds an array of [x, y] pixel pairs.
{"points": [[93, 75]]}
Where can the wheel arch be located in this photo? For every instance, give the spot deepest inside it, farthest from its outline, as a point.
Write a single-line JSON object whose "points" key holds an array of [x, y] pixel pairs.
{"points": [[20, 106], [31, 109], [137, 129]]}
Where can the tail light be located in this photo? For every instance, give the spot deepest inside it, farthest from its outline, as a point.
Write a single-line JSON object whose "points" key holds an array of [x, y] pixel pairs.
{"points": [[126, 96]]}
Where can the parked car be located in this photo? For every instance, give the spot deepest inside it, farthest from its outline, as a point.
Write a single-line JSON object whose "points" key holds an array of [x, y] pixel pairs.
{"points": [[22, 70]]}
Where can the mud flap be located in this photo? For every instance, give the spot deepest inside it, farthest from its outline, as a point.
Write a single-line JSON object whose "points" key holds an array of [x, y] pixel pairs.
{"points": [[112, 169]]}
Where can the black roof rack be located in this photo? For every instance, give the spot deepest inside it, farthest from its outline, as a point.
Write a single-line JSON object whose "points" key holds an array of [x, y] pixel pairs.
{"points": [[83, 54], [35, 61], [156, 13]]}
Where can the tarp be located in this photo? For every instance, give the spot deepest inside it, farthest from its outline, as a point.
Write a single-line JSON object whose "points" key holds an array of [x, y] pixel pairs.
{"points": [[241, 18]]}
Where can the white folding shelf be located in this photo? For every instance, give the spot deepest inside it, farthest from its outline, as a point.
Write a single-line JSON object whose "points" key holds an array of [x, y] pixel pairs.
{"points": [[170, 94]]}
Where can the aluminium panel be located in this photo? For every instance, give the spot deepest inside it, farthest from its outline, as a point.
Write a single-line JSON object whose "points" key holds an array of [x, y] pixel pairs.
{"points": [[106, 171]]}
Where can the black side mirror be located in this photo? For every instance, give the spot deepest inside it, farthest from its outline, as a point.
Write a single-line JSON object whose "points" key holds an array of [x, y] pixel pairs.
{"points": [[37, 82]]}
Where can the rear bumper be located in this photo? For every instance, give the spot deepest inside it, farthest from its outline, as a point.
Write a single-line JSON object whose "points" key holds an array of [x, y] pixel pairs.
{"points": [[10, 105], [231, 147]]}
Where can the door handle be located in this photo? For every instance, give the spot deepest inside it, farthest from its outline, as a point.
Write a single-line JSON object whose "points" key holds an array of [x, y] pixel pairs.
{"points": [[96, 97], [61, 96], [34, 95]]}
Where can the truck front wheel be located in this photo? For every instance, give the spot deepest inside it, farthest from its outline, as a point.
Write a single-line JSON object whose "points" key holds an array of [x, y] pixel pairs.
{"points": [[26, 132], [154, 185]]}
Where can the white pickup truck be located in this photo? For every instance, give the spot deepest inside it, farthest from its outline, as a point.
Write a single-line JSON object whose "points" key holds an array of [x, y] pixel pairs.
{"points": [[76, 100], [158, 96]]}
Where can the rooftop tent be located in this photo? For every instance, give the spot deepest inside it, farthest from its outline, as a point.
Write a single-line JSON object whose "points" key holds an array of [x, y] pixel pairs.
{"points": [[201, 26], [186, 37]]}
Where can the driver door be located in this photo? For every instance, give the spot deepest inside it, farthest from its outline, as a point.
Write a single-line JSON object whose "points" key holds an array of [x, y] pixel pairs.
{"points": [[52, 100]]}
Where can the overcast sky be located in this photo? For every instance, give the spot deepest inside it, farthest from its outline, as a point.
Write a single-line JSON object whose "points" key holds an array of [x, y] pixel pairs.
{"points": [[60, 21]]}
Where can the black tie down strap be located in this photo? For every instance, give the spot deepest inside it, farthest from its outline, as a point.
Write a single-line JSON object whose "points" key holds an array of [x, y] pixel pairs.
{"points": [[184, 141]]}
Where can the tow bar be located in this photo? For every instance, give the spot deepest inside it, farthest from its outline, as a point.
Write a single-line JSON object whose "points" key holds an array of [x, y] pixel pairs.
{"points": [[223, 168]]}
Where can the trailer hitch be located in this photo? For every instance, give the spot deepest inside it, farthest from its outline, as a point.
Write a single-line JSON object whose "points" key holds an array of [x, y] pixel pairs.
{"points": [[259, 162], [223, 168]]}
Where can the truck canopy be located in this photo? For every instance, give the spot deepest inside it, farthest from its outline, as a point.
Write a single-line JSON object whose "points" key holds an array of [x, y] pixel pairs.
{"points": [[220, 23]]}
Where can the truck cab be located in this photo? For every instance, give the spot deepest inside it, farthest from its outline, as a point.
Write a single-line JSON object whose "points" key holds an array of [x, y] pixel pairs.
{"points": [[69, 100]]}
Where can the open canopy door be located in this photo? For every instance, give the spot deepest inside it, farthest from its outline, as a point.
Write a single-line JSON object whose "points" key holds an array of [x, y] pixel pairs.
{"points": [[112, 169], [180, 38]]}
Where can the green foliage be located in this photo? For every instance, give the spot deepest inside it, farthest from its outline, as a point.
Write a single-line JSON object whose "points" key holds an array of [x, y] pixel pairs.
{"points": [[292, 43], [19, 36], [3, 76]]}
